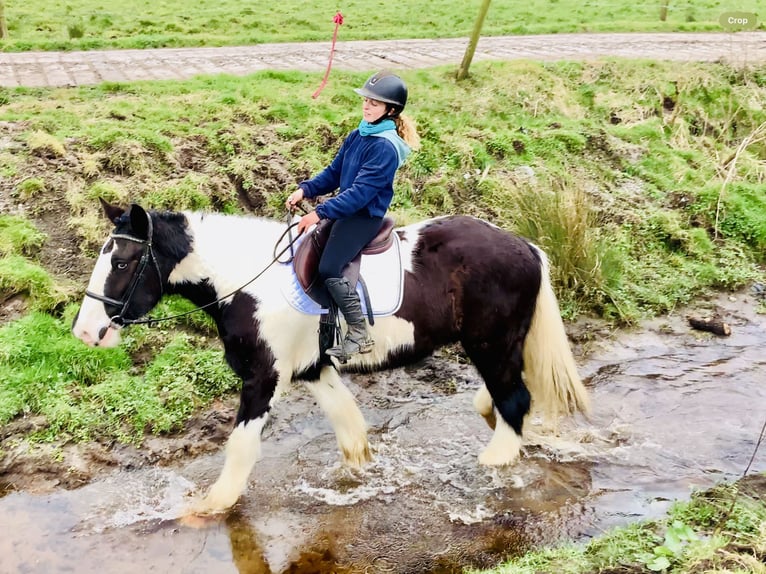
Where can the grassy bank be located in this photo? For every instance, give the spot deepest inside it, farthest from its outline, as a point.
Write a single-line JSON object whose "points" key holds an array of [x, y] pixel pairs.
{"points": [[643, 182], [722, 531], [89, 24]]}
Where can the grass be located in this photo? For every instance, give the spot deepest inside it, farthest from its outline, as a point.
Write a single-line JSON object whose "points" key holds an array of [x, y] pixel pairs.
{"points": [[85, 393], [20, 241], [721, 530], [19, 236], [89, 24]]}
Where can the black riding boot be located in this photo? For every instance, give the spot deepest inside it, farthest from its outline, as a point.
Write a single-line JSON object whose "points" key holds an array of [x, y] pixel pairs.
{"points": [[357, 340]]}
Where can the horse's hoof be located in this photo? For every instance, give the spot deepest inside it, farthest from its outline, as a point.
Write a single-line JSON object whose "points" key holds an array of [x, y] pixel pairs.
{"points": [[493, 456], [494, 459], [358, 457], [193, 519], [217, 501]]}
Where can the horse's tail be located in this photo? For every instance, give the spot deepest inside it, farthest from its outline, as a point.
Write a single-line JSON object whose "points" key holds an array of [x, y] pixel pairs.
{"points": [[549, 367]]}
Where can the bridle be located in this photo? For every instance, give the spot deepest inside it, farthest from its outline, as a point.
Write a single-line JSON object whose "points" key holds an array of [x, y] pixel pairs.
{"points": [[147, 256], [118, 321]]}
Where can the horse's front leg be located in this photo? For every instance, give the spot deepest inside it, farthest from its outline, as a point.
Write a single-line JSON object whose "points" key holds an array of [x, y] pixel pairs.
{"points": [[243, 449], [340, 407]]}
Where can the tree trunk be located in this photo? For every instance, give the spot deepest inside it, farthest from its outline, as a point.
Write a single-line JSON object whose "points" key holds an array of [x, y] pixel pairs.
{"points": [[3, 23], [462, 73], [664, 10]]}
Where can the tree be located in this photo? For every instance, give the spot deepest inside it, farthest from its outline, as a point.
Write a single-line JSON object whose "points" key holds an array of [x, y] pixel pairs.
{"points": [[466, 63], [3, 23]]}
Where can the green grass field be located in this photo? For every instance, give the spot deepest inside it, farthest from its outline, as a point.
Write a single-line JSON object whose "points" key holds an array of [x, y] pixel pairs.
{"points": [[94, 24]]}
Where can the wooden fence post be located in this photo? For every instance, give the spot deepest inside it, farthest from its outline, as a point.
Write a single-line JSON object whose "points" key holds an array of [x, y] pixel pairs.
{"points": [[664, 10], [3, 23], [468, 56]]}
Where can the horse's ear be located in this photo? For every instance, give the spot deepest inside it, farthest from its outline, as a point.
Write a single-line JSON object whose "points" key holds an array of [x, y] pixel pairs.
{"points": [[112, 212], [140, 222]]}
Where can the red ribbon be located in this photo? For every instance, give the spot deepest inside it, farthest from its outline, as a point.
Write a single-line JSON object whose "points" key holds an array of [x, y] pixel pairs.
{"points": [[338, 19]]}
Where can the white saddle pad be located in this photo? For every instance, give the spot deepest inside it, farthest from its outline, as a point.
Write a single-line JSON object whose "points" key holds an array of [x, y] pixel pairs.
{"points": [[382, 273]]}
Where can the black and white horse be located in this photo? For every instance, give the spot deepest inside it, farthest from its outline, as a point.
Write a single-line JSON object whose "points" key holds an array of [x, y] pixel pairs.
{"points": [[465, 281]]}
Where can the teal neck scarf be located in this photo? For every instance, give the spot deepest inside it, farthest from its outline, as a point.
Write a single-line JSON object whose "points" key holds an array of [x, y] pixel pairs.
{"points": [[368, 129]]}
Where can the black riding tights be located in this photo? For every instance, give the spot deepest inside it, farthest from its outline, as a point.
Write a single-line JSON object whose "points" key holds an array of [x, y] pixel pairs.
{"points": [[347, 238]]}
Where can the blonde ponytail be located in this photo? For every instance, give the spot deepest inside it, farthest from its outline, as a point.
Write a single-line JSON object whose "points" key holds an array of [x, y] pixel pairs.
{"points": [[405, 127]]}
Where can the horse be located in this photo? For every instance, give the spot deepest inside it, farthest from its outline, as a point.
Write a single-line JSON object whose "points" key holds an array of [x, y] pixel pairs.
{"points": [[466, 281]]}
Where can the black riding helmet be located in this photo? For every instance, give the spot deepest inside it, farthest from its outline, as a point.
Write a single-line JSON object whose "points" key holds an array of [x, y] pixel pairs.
{"points": [[385, 87]]}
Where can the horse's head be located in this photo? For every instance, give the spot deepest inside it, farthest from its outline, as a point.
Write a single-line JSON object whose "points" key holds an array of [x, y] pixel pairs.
{"points": [[126, 282]]}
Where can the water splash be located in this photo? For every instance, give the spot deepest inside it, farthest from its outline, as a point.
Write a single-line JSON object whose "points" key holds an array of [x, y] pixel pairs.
{"points": [[126, 499]]}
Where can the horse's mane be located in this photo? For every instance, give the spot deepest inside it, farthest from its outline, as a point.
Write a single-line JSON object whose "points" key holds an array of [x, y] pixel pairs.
{"points": [[170, 233]]}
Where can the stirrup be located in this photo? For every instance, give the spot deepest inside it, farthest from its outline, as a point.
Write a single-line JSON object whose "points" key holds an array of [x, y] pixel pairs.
{"points": [[341, 353]]}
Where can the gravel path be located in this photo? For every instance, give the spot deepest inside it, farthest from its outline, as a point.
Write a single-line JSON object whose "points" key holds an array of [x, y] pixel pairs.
{"points": [[38, 69]]}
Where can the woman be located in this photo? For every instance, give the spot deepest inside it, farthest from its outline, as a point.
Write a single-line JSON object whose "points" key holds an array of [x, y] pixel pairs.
{"points": [[363, 171]]}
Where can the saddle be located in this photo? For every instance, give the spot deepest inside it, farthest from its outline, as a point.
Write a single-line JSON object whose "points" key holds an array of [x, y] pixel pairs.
{"points": [[309, 251]]}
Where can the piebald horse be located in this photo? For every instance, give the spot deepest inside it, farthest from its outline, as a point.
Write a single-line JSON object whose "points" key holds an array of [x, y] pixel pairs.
{"points": [[465, 280]]}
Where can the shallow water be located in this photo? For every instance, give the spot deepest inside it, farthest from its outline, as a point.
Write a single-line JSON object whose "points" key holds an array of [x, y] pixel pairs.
{"points": [[673, 410]]}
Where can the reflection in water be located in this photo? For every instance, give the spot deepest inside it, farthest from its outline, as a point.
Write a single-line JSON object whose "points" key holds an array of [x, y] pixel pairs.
{"points": [[673, 411], [246, 552]]}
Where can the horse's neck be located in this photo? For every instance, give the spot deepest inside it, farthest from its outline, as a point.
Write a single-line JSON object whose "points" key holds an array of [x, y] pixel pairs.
{"points": [[227, 250]]}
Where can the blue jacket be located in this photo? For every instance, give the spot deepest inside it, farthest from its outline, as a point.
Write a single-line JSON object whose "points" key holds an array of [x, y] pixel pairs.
{"points": [[363, 170]]}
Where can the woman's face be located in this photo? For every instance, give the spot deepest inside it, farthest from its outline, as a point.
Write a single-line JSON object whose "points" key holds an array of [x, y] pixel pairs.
{"points": [[373, 110]]}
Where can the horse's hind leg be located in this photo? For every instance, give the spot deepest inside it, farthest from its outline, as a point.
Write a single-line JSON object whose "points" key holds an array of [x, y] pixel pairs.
{"points": [[344, 415], [501, 368], [482, 402]]}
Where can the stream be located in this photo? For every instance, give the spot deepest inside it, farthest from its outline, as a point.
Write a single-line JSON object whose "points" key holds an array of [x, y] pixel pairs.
{"points": [[674, 410]]}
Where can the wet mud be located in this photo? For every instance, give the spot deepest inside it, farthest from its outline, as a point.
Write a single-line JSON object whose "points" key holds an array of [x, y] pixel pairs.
{"points": [[674, 410]]}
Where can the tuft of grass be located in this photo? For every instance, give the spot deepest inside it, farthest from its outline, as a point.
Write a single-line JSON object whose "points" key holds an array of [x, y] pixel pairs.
{"points": [[192, 192], [30, 187], [45, 145], [19, 276], [19, 236]]}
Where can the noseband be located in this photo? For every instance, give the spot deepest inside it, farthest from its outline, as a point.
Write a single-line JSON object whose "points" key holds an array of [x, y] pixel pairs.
{"points": [[147, 255]]}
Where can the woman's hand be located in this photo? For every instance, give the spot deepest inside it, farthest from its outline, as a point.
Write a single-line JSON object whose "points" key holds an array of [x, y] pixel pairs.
{"points": [[307, 221], [293, 199]]}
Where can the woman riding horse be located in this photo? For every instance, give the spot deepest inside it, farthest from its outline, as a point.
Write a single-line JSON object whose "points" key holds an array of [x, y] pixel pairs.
{"points": [[363, 170]]}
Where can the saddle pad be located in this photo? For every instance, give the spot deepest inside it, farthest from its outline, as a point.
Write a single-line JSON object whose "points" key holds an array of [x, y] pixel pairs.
{"points": [[382, 273]]}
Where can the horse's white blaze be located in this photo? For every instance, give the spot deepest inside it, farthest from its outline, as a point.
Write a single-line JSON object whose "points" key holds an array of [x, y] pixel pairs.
{"points": [[504, 447], [92, 319], [243, 449], [340, 407]]}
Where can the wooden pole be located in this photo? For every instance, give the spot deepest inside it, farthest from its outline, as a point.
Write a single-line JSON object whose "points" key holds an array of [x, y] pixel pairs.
{"points": [[462, 73], [3, 23], [664, 10]]}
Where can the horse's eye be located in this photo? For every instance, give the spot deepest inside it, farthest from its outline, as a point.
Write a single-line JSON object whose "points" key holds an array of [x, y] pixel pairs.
{"points": [[121, 266]]}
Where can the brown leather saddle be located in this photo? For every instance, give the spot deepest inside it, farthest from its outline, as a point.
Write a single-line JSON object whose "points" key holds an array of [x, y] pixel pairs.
{"points": [[309, 251]]}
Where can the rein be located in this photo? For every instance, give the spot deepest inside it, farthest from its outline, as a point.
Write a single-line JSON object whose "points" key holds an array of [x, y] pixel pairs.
{"points": [[119, 321]]}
